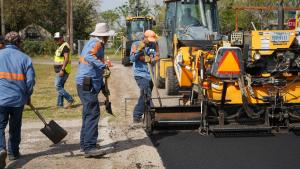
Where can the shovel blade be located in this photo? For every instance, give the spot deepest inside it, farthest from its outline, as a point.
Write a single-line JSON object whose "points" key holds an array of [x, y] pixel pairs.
{"points": [[54, 132], [108, 107]]}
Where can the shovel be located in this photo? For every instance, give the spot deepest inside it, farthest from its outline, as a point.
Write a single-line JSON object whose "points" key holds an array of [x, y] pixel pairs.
{"points": [[52, 130], [107, 102], [154, 84]]}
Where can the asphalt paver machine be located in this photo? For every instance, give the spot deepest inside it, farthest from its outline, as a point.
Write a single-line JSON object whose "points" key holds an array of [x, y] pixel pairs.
{"points": [[248, 84]]}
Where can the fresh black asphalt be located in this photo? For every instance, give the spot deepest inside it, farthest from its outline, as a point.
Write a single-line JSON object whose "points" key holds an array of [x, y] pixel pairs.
{"points": [[189, 150]]}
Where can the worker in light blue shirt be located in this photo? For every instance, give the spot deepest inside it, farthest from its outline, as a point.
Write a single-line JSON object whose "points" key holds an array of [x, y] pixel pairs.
{"points": [[140, 50], [17, 79], [89, 80]]}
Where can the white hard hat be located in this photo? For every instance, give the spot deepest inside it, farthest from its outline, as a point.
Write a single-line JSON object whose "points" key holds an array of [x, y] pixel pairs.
{"points": [[57, 35]]}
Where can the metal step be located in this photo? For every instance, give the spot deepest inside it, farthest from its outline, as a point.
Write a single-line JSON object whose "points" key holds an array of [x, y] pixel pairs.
{"points": [[176, 125], [241, 130], [177, 122]]}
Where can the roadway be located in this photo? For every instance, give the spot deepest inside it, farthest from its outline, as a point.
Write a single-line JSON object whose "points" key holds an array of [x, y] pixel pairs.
{"points": [[189, 150]]}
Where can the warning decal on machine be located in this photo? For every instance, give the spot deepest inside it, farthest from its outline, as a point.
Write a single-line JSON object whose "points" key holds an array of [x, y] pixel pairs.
{"points": [[229, 64]]}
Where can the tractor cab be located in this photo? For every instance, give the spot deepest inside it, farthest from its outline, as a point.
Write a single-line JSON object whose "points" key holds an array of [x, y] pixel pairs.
{"points": [[135, 27], [192, 19]]}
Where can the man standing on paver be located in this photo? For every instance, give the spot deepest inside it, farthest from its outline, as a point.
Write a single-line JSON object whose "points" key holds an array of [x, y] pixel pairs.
{"points": [[139, 55], [89, 82], [62, 67], [16, 86]]}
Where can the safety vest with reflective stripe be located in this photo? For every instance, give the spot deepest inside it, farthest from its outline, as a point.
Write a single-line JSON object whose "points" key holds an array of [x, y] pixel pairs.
{"points": [[12, 76], [59, 60], [90, 64], [16, 77]]}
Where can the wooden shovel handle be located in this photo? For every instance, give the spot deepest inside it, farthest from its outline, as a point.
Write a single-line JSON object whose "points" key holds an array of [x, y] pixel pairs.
{"points": [[37, 113]]}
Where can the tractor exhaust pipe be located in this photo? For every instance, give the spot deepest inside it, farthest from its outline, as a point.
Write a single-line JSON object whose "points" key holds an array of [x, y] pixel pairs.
{"points": [[280, 15]]}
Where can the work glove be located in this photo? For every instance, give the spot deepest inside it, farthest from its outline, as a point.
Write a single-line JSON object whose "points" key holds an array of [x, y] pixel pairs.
{"points": [[105, 92], [147, 59], [156, 58], [141, 46], [106, 72]]}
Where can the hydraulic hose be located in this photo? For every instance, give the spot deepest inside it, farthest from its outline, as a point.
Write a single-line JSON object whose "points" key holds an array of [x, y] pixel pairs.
{"points": [[294, 116]]}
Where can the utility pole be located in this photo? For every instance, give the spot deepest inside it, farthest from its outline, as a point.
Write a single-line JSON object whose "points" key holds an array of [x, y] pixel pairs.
{"points": [[70, 23], [280, 15], [137, 8], [2, 18]]}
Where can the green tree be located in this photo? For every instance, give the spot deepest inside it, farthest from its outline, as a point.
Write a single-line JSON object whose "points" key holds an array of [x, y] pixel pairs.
{"points": [[51, 14], [84, 18], [110, 17], [261, 18], [159, 15], [129, 8]]}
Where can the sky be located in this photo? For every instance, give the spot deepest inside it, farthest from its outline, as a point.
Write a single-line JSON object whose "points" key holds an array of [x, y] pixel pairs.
{"points": [[111, 4]]}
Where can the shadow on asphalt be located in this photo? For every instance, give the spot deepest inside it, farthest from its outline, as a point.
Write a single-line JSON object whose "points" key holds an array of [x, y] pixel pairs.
{"points": [[189, 150], [62, 148]]}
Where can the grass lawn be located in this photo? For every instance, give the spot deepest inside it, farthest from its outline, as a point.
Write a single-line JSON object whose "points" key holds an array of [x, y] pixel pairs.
{"points": [[44, 96], [110, 52]]}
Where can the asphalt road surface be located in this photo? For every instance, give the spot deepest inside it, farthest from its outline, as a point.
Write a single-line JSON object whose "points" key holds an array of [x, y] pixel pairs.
{"points": [[189, 150]]}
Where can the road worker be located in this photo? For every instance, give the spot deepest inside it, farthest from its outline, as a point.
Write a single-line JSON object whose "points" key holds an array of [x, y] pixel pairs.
{"points": [[141, 53], [62, 67], [17, 79], [89, 82]]}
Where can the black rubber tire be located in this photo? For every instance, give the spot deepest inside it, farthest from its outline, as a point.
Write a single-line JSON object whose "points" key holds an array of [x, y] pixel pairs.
{"points": [[160, 82], [125, 58], [126, 61], [122, 61], [171, 82]]}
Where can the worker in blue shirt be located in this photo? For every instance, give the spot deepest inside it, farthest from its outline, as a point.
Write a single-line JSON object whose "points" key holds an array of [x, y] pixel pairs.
{"points": [[17, 79], [140, 50], [89, 80]]}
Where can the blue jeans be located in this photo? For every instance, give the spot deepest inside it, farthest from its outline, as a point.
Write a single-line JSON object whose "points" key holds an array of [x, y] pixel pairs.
{"points": [[61, 92], [90, 118], [145, 85], [13, 116]]}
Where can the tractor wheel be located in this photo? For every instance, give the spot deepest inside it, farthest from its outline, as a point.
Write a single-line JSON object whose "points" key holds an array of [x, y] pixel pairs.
{"points": [[171, 82], [160, 83], [122, 61], [126, 61]]}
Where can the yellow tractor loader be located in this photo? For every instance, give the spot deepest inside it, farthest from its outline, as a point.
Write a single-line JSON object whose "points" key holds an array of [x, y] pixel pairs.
{"points": [[250, 84], [189, 25], [134, 26]]}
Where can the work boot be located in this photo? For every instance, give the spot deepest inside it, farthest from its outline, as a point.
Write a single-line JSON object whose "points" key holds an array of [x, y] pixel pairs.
{"points": [[137, 120], [12, 157], [95, 152], [3, 155], [69, 105]]}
